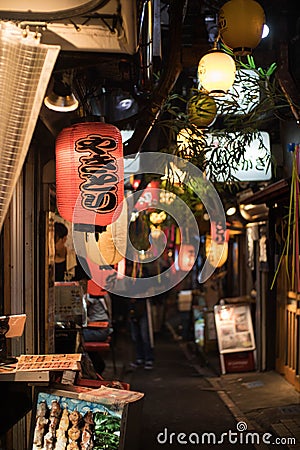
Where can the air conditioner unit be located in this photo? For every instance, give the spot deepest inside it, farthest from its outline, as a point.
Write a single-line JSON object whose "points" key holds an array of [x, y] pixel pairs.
{"points": [[77, 25]]}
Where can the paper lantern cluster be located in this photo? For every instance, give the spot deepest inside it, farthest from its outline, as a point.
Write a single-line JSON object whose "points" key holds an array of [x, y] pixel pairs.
{"points": [[240, 25]]}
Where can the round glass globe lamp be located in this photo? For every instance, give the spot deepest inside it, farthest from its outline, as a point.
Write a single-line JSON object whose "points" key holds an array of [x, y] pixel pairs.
{"points": [[216, 72]]}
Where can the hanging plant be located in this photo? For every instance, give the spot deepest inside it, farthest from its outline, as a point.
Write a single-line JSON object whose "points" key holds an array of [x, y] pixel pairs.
{"points": [[263, 102], [290, 252]]}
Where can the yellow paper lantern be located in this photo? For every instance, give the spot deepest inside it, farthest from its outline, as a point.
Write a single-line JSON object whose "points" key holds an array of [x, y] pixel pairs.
{"points": [[216, 254], [216, 72], [241, 25], [202, 110], [109, 247], [188, 143]]}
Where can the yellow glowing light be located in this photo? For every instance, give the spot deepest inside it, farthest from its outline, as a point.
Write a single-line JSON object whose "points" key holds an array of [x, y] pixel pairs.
{"points": [[216, 72]]}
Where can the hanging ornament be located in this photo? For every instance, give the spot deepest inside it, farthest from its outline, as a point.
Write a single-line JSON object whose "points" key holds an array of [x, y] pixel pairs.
{"points": [[89, 173], [241, 24], [202, 110]]}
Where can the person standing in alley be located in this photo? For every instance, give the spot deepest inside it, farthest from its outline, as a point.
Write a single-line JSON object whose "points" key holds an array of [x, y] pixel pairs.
{"points": [[141, 326]]}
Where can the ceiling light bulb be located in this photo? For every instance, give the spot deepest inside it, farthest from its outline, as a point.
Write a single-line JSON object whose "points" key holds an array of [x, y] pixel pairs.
{"points": [[61, 98], [266, 31], [231, 211], [61, 104], [125, 104]]}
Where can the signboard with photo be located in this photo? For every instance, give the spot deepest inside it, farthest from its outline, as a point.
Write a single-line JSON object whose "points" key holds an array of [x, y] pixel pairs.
{"points": [[234, 328], [104, 418]]}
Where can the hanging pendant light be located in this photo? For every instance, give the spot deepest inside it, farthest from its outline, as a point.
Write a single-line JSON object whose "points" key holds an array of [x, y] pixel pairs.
{"points": [[102, 278], [61, 98], [216, 72], [241, 24]]}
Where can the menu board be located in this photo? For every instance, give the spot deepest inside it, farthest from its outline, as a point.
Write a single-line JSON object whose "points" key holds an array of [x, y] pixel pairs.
{"points": [[68, 302], [56, 362], [234, 328]]}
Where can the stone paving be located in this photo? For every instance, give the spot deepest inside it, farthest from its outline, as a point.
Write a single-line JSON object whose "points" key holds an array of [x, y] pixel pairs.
{"points": [[265, 401]]}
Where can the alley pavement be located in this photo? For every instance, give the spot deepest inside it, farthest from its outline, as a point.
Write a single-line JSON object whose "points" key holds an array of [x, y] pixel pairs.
{"points": [[189, 404]]}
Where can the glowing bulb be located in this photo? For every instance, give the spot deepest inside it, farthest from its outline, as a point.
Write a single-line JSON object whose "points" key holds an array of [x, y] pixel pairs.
{"points": [[266, 31], [230, 211]]}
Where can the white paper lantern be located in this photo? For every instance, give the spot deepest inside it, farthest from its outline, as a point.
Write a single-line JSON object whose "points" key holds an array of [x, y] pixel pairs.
{"points": [[216, 72], [109, 247]]}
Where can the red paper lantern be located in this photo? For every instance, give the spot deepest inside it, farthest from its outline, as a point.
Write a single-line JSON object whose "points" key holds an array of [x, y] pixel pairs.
{"points": [[94, 289], [89, 173], [219, 233], [149, 198], [101, 278]]}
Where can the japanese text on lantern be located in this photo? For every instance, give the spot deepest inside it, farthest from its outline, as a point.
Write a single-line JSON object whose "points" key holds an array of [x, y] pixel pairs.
{"points": [[219, 233], [98, 170]]}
